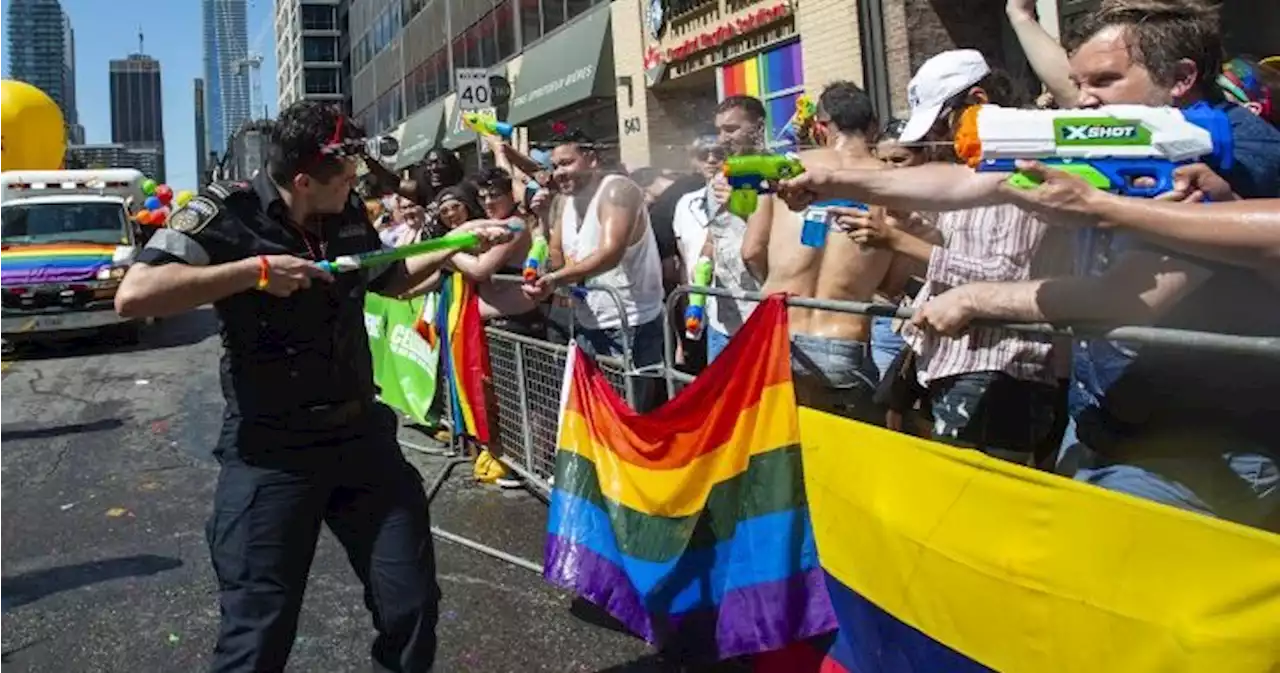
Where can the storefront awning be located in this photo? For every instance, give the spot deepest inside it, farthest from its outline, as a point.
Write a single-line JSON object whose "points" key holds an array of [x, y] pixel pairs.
{"points": [[573, 65], [421, 131]]}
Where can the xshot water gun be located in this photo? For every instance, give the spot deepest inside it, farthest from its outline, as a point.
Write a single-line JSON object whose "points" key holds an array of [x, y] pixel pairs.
{"points": [[536, 264], [487, 125], [753, 175], [1111, 147], [696, 313]]}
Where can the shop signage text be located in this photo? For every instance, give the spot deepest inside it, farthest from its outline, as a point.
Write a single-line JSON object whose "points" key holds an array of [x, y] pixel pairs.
{"points": [[583, 73], [711, 39]]}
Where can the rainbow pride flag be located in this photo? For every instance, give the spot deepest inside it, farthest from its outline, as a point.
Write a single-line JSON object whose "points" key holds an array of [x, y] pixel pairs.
{"points": [[690, 524], [53, 263], [464, 355], [946, 560]]}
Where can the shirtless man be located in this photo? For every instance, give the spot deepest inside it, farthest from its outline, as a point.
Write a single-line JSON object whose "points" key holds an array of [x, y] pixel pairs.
{"points": [[830, 352]]}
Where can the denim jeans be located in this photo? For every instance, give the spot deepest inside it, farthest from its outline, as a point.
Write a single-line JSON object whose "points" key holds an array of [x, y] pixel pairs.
{"points": [[885, 343], [716, 342], [836, 376], [646, 351], [995, 413], [1228, 478]]}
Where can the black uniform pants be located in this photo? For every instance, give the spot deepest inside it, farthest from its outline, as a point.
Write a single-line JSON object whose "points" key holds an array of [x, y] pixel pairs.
{"points": [[274, 491]]}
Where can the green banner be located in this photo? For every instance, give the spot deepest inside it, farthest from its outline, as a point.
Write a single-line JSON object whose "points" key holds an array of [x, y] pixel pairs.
{"points": [[404, 365]]}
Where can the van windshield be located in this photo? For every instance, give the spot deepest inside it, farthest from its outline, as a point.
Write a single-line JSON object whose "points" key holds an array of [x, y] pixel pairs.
{"points": [[37, 223]]}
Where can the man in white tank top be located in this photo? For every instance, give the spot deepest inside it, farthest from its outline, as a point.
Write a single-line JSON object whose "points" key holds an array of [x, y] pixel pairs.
{"points": [[603, 236]]}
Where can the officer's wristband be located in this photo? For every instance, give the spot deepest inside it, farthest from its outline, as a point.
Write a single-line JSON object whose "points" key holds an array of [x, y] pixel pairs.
{"points": [[264, 272]]}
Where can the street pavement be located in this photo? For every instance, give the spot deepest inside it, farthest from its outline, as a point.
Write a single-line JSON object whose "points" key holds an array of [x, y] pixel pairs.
{"points": [[108, 479]]}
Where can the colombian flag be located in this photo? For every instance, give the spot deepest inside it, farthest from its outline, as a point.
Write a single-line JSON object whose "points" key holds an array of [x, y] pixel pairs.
{"points": [[690, 524], [947, 560], [464, 355]]}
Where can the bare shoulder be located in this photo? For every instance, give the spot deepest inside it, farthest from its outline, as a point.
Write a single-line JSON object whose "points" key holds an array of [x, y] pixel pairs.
{"points": [[623, 191]]}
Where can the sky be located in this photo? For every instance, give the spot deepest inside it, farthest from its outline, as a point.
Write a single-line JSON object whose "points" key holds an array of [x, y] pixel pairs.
{"points": [[108, 29]]}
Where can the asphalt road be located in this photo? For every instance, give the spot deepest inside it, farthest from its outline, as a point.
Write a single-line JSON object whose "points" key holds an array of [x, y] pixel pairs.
{"points": [[108, 480]]}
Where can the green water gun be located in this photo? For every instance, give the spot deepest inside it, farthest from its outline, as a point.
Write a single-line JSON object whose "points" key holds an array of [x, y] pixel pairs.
{"points": [[752, 175], [696, 313], [456, 241]]}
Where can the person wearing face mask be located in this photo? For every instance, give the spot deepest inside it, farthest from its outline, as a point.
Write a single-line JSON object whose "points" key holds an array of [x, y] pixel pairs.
{"points": [[991, 389]]}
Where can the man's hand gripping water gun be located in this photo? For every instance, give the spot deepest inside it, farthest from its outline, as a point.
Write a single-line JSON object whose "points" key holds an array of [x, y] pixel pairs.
{"points": [[1131, 150], [487, 125], [695, 315], [753, 175]]}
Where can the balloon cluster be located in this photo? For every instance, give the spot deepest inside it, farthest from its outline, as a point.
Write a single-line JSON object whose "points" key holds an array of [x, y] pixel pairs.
{"points": [[160, 198]]}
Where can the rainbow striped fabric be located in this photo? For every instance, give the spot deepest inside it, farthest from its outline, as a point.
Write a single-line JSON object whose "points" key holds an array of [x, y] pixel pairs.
{"points": [[464, 355], [53, 263], [946, 560], [690, 524]]}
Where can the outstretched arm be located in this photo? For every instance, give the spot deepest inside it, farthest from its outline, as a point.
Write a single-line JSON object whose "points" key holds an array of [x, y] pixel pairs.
{"points": [[619, 211], [931, 187]]}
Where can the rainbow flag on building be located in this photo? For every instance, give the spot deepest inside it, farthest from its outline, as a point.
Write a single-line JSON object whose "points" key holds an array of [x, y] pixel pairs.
{"points": [[690, 524], [458, 330], [946, 560], [54, 262]]}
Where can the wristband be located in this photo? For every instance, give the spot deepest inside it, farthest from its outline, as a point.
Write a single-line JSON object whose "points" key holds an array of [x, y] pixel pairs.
{"points": [[264, 272]]}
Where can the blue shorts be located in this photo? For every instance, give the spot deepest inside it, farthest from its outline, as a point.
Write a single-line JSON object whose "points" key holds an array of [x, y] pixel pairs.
{"points": [[837, 376]]}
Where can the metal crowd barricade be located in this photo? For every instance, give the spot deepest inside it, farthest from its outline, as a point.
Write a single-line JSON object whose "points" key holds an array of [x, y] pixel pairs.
{"points": [[1268, 346], [528, 375]]}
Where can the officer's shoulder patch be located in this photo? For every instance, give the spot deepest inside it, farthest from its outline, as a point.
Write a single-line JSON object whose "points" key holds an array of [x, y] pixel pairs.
{"points": [[192, 218]]}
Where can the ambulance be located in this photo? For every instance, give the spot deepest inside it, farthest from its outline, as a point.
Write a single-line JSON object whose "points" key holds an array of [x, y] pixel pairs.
{"points": [[67, 240]]}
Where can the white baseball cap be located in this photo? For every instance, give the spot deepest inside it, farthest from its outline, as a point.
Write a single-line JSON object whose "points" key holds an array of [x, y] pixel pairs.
{"points": [[937, 81]]}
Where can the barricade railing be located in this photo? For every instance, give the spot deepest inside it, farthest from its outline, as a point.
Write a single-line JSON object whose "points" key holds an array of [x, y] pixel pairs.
{"points": [[528, 376], [1258, 346]]}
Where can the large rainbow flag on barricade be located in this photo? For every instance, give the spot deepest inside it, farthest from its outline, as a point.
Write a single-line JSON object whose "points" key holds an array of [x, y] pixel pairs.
{"points": [[690, 524], [458, 331], [940, 559]]}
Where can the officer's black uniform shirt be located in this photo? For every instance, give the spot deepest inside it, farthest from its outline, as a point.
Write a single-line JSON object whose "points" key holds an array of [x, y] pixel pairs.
{"points": [[283, 358]]}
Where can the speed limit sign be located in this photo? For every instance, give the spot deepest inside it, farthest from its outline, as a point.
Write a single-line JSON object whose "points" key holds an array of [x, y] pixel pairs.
{"points": [[472, 85]]}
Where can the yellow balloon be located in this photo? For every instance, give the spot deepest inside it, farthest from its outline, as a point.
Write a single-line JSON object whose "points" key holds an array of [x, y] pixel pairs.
{"points": [[34, 135], [183, 197]]}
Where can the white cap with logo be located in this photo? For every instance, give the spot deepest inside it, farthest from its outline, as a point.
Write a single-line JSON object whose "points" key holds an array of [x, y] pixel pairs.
{"points": [[938, 80]]}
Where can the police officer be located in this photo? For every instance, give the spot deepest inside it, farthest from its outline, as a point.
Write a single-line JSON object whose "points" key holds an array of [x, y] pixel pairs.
{"points": [[303, 441]]}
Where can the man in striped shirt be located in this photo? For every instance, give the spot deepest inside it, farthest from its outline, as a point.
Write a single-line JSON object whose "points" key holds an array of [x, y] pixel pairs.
{"points": [[991, 389]]}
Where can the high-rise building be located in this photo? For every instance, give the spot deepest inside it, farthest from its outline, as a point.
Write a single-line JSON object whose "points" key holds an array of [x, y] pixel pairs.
{"points": [[309, 38], [226, 75], [137, 113], [42, 54], [201, 130], [75, 132], [114, 155]]}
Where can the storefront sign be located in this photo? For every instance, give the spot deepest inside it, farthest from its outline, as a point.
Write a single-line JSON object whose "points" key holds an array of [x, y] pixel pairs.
{"points": [[742, 25], [585, 73]]}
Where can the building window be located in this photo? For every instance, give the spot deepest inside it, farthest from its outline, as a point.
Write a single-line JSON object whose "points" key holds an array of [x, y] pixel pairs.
{"points": [[553, 15], [776, 77], [576, 7], [320, 49], [321, 81], [505, 16], [319, 17], [530, 21]]}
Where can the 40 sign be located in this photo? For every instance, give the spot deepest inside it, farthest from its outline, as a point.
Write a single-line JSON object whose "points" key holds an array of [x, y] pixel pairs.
{"points": [[472, 85], [478, 90]]}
